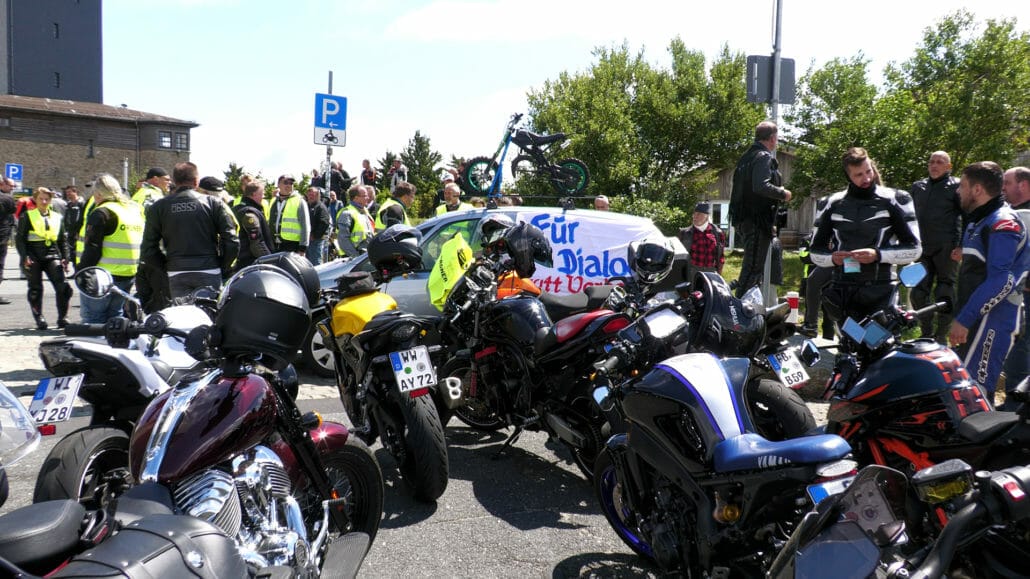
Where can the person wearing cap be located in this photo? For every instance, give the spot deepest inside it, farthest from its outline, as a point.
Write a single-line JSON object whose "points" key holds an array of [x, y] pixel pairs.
{"points": [[255, 236], [154, 187], [215, 187], [705, 242], [394, 209], [601, 203], [445, 177], [43, 247], [114, 234], [452, 200], [290, 218], [321, 225], [190, 235], [354, 223]]}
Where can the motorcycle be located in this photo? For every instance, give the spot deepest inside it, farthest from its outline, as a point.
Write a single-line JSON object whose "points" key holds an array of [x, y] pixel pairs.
{"points": [[386, 361], [687, 483], [118, 376], [874, 527], [483, 175], [233, 448]]}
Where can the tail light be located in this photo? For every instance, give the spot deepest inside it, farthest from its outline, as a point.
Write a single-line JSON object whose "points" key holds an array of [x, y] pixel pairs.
{"points": [[615, 324]]}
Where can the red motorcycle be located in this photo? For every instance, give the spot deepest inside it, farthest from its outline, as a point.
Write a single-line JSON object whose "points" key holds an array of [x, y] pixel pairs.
{"points": [[234, 449]]}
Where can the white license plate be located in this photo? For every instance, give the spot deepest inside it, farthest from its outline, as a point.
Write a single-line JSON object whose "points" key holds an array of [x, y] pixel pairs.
{"points": [[788, 368], [820, 491], [413, 369], [54, 398]]}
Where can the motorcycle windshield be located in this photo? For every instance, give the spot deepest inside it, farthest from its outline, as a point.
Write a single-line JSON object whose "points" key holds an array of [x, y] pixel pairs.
{"points": [[844, 547], [18, 434]]}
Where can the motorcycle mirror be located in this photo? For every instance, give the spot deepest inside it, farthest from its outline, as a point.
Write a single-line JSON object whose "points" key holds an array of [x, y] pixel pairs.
{"points": [[601, 397], [155, 324], [810, 354], [94, 282], [912, 274], [197, 343], [683, 289]]}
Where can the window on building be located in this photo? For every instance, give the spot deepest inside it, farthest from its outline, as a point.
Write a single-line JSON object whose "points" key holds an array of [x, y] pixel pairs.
{"points": [[182, 141], [91, 153], [164, 139], [57, 30], [5, 121], [57, 80]]}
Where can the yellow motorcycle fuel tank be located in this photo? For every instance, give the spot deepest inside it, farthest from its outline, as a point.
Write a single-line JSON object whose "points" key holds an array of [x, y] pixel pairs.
{"points": [[352, 313]]}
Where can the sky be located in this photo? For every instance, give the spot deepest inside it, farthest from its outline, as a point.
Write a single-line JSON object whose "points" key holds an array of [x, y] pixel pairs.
{"points": [[247, 71]]}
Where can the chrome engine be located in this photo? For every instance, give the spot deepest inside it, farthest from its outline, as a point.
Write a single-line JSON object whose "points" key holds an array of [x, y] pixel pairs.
{"points": [[253, 504]]}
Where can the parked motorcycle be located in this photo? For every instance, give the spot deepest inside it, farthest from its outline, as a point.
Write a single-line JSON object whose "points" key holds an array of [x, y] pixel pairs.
{"points": [[687, 483], [234, 449], [875, 527], [386, 362]]}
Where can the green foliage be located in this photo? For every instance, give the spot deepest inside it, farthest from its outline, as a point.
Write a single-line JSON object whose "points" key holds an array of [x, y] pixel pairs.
{"points": [[422, 162], [232, 177], [668, 219]]}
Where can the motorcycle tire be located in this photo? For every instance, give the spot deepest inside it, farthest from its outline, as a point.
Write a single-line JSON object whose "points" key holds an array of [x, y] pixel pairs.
{"points": [[316, 357], [478, 175], [474, 412], [355, 474], [777, 412], [522, 165], [575, 176], [424, 466], [622, 520], [90, 465]]}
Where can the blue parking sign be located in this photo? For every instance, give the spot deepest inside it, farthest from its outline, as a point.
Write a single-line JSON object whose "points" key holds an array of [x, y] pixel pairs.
{"points": [[330, 120], [13, 171]]}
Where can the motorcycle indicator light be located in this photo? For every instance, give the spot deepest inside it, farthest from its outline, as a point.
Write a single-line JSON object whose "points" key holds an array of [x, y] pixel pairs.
{"points": [[58, 354], [1013, 489]]}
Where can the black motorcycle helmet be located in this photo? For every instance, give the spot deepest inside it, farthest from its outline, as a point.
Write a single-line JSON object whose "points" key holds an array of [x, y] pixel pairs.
{"points": [[726, 326], [528, 246], [300, 269], [650, 260], [396, 250], [491, 231], [262, 317]]}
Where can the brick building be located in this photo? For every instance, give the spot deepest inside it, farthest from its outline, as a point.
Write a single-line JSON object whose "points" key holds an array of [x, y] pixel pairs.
{"points": [[59, 142]]}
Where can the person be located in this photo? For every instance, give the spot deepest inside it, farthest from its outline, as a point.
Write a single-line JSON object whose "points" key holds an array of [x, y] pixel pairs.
{"points": [[114, 234], [940, 229], [1015, 186], [321, 225], [814, 279], [354, 224], [154, 187], [73, 218], [368, 174], [394, 209], [452, 200], [190, 235], [7, 207], [441, 197], [334, 205], [863, 231], [43, 247], [757, 192], [991, 278], [289, 218], [255, 235], [215, 187], [601, 203], [398, 174], [704, 241]]}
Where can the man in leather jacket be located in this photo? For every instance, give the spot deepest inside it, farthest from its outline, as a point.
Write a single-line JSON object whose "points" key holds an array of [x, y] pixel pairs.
{"points": [[863, 231], [757, 193], [995, 260], [940, 229], [1016, 188], [197, 232]]}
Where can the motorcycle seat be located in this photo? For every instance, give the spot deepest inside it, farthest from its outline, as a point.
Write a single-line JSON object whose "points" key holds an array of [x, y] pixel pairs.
{"points": [[41, 533], [983, 427], [537, 139], [565, 329], [562, 306], [750, 451]]}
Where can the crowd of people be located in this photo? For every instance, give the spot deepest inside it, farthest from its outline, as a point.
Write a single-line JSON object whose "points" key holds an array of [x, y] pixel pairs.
{"points": [[970, 233]]}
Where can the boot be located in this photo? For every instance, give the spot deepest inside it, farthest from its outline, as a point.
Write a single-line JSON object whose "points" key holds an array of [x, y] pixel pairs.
{"points": [[64, 298], [40, 321]]}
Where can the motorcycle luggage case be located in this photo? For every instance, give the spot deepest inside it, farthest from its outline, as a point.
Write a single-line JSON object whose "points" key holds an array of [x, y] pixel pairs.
{"points": [[160, 546]]}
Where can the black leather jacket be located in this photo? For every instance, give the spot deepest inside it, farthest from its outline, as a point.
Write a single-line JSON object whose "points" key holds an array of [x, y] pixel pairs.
{"points": [[197, 231], [757, 189], [938, 211], [880, 218]]}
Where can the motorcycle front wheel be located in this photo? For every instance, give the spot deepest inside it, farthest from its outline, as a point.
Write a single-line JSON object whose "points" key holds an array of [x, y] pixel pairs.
{"points": [[355, 475], [478, 175], [623, 520], [90, 465], [474, 411], [573, 176], [424, 465], [778, 412]]}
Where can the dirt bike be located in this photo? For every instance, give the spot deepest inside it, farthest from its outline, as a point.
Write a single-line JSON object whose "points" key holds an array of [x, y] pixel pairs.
{"points": [[483, 175]]}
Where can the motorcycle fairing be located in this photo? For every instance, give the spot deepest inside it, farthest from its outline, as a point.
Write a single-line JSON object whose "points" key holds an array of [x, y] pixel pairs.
{"points": [[150, 382], [712, 389], [750, 451]]}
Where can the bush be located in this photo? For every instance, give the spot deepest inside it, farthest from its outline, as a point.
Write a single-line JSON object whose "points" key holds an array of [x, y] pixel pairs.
{"points": [[667, 219]]}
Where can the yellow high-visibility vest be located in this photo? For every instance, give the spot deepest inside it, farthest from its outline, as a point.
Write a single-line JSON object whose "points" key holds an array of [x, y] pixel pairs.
{"points": [[44, 229], [120, 252]]}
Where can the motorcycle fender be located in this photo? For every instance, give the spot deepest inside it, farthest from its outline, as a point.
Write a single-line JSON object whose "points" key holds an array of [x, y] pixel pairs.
{"points": [[328, 436]]}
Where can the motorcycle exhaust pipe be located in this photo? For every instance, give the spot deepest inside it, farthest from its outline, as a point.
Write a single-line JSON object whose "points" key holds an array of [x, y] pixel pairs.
{"points": [[450, 389], [565, 431]]}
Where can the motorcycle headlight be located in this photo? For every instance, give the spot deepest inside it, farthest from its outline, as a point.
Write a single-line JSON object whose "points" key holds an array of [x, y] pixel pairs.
{"points": [[57, 354], [403, 332]]}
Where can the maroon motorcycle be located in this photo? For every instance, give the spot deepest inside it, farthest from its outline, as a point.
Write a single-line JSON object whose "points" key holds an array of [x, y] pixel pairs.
{"points": [[234, 449]]}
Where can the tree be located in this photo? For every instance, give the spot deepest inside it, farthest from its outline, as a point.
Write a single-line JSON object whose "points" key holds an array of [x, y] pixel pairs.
{"points": [[422, 161]]}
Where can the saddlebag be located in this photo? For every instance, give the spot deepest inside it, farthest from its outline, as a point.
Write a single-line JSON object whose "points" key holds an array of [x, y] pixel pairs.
{"points": [[160, 546]]}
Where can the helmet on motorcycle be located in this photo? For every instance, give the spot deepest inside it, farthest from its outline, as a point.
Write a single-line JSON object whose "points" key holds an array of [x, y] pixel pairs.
{"points": [[491, 228], [651, 260], [396, 249], [727, 326], [527, 246], [300, 269], [262, 316]]}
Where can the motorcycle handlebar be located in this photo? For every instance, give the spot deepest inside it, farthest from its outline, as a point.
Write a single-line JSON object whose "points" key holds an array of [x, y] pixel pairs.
{"points": [[939, 559], [82, 330], [937, 307]]}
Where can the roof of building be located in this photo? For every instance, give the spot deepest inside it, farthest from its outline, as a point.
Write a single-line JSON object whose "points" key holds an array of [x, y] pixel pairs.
{"points": [[85, 109]]}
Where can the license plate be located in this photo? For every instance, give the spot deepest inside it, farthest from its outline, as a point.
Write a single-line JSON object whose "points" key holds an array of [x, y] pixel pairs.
{"points": [[413, 369], [54, 398], [820, 491], [788, 368]]}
